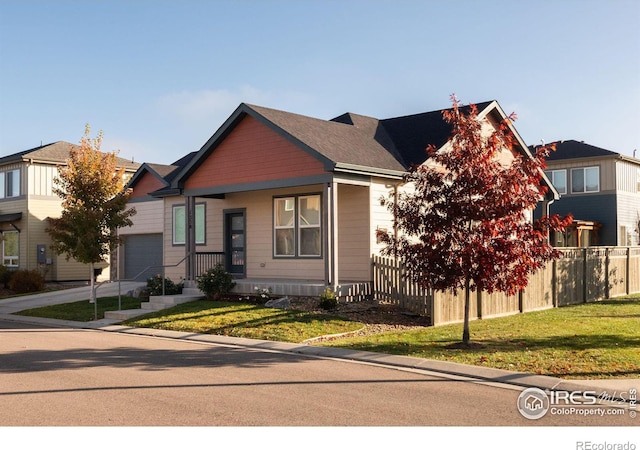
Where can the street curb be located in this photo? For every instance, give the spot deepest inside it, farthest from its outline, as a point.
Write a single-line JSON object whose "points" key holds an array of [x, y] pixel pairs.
{"points": [[443, 368]]}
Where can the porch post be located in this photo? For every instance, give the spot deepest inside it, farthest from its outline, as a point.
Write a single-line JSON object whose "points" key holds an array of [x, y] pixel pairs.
{"points": [[190, 238], [334, 235], [326, 192]]}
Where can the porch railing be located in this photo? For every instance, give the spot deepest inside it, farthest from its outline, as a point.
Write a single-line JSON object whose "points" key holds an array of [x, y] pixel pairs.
{"points": [[207, 260]]}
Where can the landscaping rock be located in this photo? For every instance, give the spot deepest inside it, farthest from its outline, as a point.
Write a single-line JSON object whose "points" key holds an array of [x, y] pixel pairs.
{"points": [[280, 303]]}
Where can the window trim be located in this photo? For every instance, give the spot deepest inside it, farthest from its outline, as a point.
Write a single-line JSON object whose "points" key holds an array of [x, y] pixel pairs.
{"points": [[14, 259], [175, 208], [10, 183], [584, 172], [296, 226], [551, 174]]}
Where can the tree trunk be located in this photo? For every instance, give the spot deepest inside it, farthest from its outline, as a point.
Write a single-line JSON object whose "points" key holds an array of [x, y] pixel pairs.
{"points": [[466, 335], [93, 294]]}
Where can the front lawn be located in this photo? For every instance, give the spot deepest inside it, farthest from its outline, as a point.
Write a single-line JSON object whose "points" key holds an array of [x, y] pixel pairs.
{"points": [[595, 340], [82, 311], [245, 320]]}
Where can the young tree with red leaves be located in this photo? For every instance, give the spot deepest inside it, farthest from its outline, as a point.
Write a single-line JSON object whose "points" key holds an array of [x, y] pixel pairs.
{"points": [[465, 225]]}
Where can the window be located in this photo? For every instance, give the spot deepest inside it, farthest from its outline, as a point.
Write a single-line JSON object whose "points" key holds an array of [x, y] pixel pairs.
{"points": [[558, 179], [10, 248], [297, 226], [10, 183], [585, 179], [179, 224]]}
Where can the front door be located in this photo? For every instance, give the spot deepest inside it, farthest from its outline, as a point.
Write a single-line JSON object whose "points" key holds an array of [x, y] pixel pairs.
{"points": [[235, 242]]}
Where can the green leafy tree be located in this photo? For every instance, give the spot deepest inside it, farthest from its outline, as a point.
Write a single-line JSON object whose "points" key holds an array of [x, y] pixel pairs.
{"points": [[94, 205], [465, 223]]}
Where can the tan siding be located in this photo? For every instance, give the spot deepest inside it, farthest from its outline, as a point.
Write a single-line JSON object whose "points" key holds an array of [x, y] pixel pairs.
{"points": [[149, 218], [607, 171], [172, 253], [259, 216], [354, 233], [12, 207]]}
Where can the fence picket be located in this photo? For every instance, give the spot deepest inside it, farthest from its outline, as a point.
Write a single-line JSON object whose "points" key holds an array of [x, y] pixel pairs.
{"points": [[580, 275]]}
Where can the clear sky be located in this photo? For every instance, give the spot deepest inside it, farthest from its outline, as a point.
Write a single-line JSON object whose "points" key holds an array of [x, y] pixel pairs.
{"points": [[160, 77]]}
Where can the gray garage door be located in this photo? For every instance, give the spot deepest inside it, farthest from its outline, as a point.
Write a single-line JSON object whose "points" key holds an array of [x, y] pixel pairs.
{"points": [[140, 252]]}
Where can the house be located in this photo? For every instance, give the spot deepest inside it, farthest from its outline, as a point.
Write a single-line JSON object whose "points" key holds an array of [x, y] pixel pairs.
{"points": [[292, 203], [26, 201], [601, 189], [141, 252]]}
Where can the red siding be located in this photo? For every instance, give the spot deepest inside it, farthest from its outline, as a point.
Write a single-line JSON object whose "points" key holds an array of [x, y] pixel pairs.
{"points": [[253, 152], [148, 183]]}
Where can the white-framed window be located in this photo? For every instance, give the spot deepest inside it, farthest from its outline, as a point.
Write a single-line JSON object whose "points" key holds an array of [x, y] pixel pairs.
{"points": [[10, 248], [297, 226], [179, 230], [558, 179], [10, 183], [585, 179]]}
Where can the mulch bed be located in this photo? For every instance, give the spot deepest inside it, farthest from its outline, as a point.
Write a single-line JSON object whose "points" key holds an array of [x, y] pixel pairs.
{"points": [[377, 317]]}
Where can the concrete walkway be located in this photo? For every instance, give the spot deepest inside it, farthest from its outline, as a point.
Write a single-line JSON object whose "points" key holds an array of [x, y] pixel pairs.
{"points": [[617, 388]]}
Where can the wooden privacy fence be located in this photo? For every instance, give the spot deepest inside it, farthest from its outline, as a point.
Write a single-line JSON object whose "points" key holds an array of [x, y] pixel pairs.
{"points": [[581, 275]]}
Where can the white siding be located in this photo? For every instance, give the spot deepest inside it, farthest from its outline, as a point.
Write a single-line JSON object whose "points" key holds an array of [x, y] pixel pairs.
{"points": [[41, 180], [381, 218]]}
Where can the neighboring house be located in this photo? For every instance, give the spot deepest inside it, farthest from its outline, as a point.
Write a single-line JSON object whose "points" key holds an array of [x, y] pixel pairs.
{"points": [[26, 201], [292, 202], [601, 189], [141, 253]]}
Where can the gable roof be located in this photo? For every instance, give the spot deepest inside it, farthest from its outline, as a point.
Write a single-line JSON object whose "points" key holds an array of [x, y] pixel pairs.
{"points": [[165, 173], [56, 152], [573, 149], [350, 142]]}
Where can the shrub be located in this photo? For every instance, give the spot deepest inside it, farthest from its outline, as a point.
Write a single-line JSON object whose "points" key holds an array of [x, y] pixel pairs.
{"points": [[215, 282], [154, 286], [24, 281], [328, 299], [5, 276]]}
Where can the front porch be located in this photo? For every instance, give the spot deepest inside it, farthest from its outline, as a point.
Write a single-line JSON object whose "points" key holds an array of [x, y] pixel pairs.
{"points": [[350, 291], [347, 291]]}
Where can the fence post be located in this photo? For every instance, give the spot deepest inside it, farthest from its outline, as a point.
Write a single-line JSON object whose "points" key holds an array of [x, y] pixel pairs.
{"points": [[584, 275], [607, 287], [628, 272], [554, 284]]}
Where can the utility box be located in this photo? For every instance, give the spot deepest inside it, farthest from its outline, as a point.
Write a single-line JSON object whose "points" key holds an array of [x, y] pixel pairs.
{"points": [[42, 253]]}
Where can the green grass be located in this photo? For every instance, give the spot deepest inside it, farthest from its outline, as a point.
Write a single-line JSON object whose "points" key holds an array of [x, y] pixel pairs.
{"points": [[595, 340], [82, 311], [244, 320]]}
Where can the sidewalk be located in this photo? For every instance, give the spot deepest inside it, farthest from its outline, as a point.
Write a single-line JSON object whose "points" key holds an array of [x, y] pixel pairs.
{"points": [[612, 387]]}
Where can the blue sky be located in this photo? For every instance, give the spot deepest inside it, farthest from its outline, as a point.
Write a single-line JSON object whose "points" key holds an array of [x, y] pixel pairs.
{"points": [[159, 77]]}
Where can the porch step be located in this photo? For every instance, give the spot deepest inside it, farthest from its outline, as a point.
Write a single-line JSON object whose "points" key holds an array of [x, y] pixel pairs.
{"points": [[155, 303], [158, 302]]}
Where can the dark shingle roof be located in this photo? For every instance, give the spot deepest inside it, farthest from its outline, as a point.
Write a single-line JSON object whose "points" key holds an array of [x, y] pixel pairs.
{"points": [[56, 152], [335, 141], [350, 142], [391, 144], [572, 149]]}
